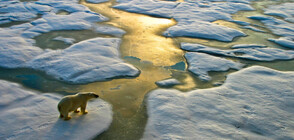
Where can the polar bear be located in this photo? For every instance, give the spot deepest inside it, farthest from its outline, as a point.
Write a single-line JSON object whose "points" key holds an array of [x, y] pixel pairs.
{"points": [[73, 102]]}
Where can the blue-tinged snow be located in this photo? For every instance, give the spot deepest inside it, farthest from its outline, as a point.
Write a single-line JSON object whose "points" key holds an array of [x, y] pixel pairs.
{"points": [[88, 61], [69, 41], [167, 83], [253, 29], [202, 29], [254, 103], [16, 51], [91, 60], [96, 1], [277, 26], [26, 114], [194, 18], [239, 46], [258, 54], [285, 10], [109, 30], [285, 42], [201, 63]]}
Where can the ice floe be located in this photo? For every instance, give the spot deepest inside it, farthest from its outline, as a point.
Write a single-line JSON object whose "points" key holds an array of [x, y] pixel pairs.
{"points": [[168, 83], [285, 42], [258, 54], [109, 30], [284, 10], [254, 103], [253, 29], [91, 60], [69, 41], [194, 18], [16, 51], [96, 1], [238, 46], [201, 63], [277, 26], [88, 61], [27, 114]]}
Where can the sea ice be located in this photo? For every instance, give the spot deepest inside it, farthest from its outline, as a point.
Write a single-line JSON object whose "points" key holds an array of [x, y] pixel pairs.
{"points": [[69, 41], [91, 60], [168, 83], [253, 29], [194, 18], [258, 54], [253, 103], [16, 51], [239, 46], [285, 10], [96, 1], [285, 42], [26, 114], [201, 63], [88, 61], [109, 30]]}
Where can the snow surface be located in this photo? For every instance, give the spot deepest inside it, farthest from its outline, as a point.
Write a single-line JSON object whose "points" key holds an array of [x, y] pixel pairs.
{"points": [[253, 29], [109, 30], [69, 41], [238, 46], [28, 115], [168, 83], [285, 10], [258, 54], [96, 1], [88, 61], [194, 17], [277, 26], [91, 60], [201, 63], [285, 42], [254, 103]]}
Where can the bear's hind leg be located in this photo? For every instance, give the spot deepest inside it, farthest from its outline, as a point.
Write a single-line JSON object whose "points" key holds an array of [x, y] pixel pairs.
{"points": [[76, 111], [60, 116]]}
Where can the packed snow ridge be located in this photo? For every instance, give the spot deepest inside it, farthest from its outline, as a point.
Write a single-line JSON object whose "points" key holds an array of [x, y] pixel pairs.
{"points": [[249, 51], [26, 114], [194, 17], [254, 103]]}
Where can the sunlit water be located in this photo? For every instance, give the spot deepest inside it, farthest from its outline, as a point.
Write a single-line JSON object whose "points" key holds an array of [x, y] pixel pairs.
{"points": [[144, 47]]}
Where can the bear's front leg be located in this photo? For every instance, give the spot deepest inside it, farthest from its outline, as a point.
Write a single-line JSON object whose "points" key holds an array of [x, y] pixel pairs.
{"points": [[83, 108], [66, 117]]}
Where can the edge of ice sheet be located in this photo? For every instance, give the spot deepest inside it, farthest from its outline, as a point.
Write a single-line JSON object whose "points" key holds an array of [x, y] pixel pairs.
{"points": [[167, 83], [201, 63], [257, 54], [254, 103], [26, 114]]}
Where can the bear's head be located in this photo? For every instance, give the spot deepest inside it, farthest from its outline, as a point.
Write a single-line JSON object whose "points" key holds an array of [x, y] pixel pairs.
{"points": [[89, 95]]}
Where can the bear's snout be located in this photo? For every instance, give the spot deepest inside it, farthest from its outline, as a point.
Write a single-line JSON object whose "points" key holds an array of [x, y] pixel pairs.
{"points": [[96, 96]]}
